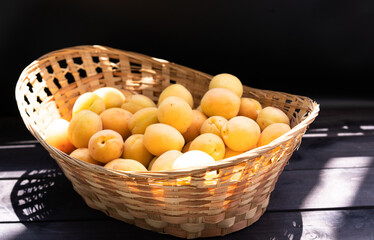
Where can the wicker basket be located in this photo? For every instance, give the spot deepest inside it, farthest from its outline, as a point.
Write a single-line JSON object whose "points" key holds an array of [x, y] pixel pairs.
{"points": [[158, 201]]}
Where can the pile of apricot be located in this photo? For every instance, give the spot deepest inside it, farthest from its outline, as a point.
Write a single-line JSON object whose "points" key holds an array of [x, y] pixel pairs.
{"points": [[130, 132]]}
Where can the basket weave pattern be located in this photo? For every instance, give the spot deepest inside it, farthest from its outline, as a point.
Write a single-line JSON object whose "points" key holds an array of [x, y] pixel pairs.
{"points": [[159, 201]]}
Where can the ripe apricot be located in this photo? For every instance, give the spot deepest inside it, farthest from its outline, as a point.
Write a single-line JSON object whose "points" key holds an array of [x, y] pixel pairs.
{"points": [[240, 133], [229, 81], [160, 137], [112, 96], [89, 101], [117, 119], [136, 102], [220, 102], [125, 165], [105, 145], [83, 154], [175, 112], [209, 143], [231, 153], [82, 126], [135, 149], [142, 119], [56, 135], [269, 115], [272, 132], [176, 90], [165, 161], [249, 107], [194, 129], [213, 125], [192, 159]]}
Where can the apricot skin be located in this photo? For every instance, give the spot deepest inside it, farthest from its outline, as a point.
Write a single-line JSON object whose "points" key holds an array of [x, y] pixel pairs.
{"points": [[89, 101], [111, 96], [194, 129], [142, 119], [240, 133], [117, 120], [105, 145], [213, 125], [82, 126], [134, 149], [176, 90], [83, 154], [272, 132], [56, 135], [160, 137], [269, 115], [165, 161], [175, 112], [210, 144], [136, 102], [249, 107], [229, 81], [220, 102], [125, 165]]}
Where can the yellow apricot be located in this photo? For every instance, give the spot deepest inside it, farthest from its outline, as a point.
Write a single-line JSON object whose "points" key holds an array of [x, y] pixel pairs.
{"points": [[194, 129], [125, 165], [82, 126], [175, 112], [105, 145], [241, 133], [272, 132], [83, 154], [220, 102], [117, 119], [176, 90], [186, 147], [160, 137], [142, 119], [89, 101], [135, 149], [136, 102], [213, 125], [192, 158], [56, 135], [269, 115], [249, 107], [229, 81], [165, 161], [112, 96], [209, 143]]}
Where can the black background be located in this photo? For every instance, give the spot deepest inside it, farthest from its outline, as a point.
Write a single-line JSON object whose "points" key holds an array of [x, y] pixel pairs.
{"points": [[318, 48]]}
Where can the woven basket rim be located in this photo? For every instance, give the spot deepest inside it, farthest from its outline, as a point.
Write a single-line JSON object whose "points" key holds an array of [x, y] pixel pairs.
{"points": [[313, 110]]}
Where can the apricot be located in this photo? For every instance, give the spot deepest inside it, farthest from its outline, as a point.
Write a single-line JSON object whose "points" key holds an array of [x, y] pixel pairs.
{"points": [[229, 81], [160, 137], [117, 119], [112, 96], [89, 101], [220, 102], [186, 147], [175, 112], [56, 135], [249, 107], [272, 132], [241, 133], [142, 119], [82, 126], [165, 161], [192, 159], [210, 144], [83, 154], [176, 90], [125, 165], [136, 102], [213, 125], [194, 129], [269, 115], [105, 145], [135, 149]]}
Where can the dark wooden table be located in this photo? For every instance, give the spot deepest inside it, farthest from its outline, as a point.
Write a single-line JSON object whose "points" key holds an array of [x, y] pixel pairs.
{"points": [[326, 191]]}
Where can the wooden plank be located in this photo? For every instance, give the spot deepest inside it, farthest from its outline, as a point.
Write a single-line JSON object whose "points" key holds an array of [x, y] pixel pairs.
{"points": [[326, 188], [340, 224]]}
